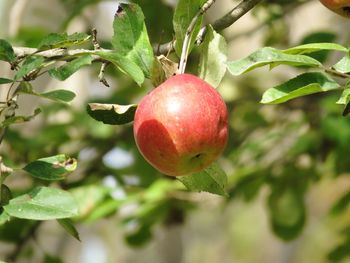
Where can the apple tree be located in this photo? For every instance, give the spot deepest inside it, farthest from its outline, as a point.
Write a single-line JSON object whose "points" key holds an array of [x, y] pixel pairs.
{"points": [[217, 124]]}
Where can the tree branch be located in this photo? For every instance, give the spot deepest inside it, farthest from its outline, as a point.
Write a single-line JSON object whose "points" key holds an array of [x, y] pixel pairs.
{"points": [[219, 24], [186, 43], [23, 241], [222, 23], [53, 53], [236, 13]]}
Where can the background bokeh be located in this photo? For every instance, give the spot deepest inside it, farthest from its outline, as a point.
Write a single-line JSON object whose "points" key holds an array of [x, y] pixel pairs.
{"points": [[287, 164]]}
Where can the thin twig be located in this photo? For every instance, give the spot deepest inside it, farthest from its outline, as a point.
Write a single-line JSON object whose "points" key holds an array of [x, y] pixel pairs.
{"points": [[186, 43], [54, 53], [101, 75], [94, 39], [23, 241], [337, 73]]}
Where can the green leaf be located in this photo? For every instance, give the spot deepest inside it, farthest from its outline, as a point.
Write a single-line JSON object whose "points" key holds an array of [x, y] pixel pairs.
{"points": [[69, 68], [52, 168], [343, 65], [52, 259], [319, 37], [55, 40], [19, 119], [5, 81], [345, 97], [287, 212], [213, 57], [5, 196], [340, 253], [345, 100], [341, 204], [68, 225], [31, 63], [304, 84], [184, 12], [59, 95], [43, 203], [6, 51], [314, 47], [130, 37], [4, 217], [113, 114], [269, 56], [2, 261], [124, 64], [140, 236], [212, 179]]}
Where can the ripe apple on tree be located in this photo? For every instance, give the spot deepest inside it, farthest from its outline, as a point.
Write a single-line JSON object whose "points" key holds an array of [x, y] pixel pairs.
{"points": [[181, 126], [341, 7]]}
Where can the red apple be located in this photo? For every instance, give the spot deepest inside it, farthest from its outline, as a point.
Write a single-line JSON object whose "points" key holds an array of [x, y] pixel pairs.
{"points": [[342, 7], [181, 126]]}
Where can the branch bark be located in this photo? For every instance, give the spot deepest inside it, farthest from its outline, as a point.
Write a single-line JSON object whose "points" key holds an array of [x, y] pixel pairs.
{"points": [[227, 20], [235, 14], [220, 24], [186, 43], [12, 257]]}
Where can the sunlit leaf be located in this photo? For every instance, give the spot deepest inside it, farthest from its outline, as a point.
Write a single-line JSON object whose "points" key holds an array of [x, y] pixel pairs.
{"points": [[113, 114], [343, 65], [319, 37], [184, 12], [4, 217], [55, 40], [304, 84], [69, 68], [52, 168], [43, 203], [345, 97], [314, 47], [130, 37], [213, 57], [124, 64], [212, 179], [269, 56]]}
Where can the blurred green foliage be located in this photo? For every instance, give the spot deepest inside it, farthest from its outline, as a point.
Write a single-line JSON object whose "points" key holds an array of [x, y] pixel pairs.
{"points": [[284, 149]]}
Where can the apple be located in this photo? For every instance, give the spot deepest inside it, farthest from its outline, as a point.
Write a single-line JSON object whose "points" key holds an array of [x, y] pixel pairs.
{"points": [[181, 126], [341, 7]]}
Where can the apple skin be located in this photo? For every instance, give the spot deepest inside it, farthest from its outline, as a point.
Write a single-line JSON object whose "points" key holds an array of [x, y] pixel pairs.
{"points": [[181, 126], [341, 7]]}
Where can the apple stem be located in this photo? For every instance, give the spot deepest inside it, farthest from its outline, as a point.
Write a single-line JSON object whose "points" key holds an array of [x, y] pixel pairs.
{"points": [[188, 35]]}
